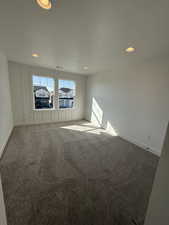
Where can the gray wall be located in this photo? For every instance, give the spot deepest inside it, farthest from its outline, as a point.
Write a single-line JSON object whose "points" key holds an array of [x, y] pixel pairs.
{"points": [[133, 99], [22, 95], [6, 121], [158, 210]]}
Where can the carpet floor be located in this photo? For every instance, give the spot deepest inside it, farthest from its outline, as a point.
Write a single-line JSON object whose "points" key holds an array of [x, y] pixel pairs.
{"points": [[75, 174]]}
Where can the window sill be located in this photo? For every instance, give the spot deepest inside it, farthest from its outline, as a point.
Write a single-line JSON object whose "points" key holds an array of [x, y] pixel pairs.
{"points": [[65, 108], [41, 110]]}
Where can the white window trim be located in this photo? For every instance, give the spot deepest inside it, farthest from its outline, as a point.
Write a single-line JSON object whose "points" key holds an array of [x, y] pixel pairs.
{"points": [[74, 105], [56, 94], [54, 103]]}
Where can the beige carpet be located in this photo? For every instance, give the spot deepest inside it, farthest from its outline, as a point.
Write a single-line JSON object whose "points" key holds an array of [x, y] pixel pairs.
{"points": [[75, 174]]}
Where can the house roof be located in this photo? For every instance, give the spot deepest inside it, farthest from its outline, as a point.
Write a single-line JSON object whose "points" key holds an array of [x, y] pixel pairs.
{"points": [[66, 90], [36, 88]]}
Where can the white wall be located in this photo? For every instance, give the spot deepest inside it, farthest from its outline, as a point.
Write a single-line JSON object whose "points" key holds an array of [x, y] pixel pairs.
{"points": [[133, 98], [159, 201], [22, 96], [6, 120]]}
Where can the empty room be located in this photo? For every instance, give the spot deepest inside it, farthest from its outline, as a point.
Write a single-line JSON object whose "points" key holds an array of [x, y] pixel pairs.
{"points": [[84, 112]]}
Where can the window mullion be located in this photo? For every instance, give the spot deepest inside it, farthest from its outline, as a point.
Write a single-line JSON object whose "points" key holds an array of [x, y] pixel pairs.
{"points": [[56, 95]]}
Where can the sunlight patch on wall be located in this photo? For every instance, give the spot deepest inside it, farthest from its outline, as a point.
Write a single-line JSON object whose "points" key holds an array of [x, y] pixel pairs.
{"points": [[111, 130], [97, 113]]}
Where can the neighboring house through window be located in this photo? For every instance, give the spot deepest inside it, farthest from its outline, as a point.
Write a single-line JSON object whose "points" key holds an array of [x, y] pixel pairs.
{"points": [[43, 92], [67, 89]]}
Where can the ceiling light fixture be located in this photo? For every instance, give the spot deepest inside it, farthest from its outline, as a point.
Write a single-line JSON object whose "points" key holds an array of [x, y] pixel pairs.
{"points": [[45, 4], [59, 68], [35, 55], [130, 49], [85, 68]]}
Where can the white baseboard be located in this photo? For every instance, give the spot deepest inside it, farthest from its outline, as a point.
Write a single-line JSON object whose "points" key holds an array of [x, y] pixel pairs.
{"points": [[43, 123], [5, 142], [152, 150], [141, 145]]}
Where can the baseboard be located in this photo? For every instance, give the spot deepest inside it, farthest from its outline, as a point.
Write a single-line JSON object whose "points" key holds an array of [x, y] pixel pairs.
{"points": [[152, 150], [43, 123], [2, 150], [143, 146]]}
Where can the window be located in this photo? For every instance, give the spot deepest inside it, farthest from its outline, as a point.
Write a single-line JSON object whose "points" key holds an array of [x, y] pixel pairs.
{"points": [[43, 92], [67, 89]]}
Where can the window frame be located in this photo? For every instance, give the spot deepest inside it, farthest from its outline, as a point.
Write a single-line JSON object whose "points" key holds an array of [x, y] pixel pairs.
{"points": [[74, 105], [56, 93], [54, 96]]}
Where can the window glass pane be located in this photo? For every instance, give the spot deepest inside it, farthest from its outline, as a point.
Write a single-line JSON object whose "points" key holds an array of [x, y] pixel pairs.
{"points": [[43, 92], [67, 89]]}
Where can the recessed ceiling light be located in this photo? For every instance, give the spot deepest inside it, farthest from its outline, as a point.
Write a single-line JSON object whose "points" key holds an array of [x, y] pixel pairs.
{"points": [[35, 55], [45, 4], [59, 68], [85, 68], [130, 49]]}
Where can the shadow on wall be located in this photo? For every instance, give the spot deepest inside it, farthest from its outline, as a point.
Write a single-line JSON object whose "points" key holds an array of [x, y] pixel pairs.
{"points": [[97, 118]]}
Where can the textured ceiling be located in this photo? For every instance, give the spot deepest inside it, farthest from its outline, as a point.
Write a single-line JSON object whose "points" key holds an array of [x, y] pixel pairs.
{"points": [[77, 33]]}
